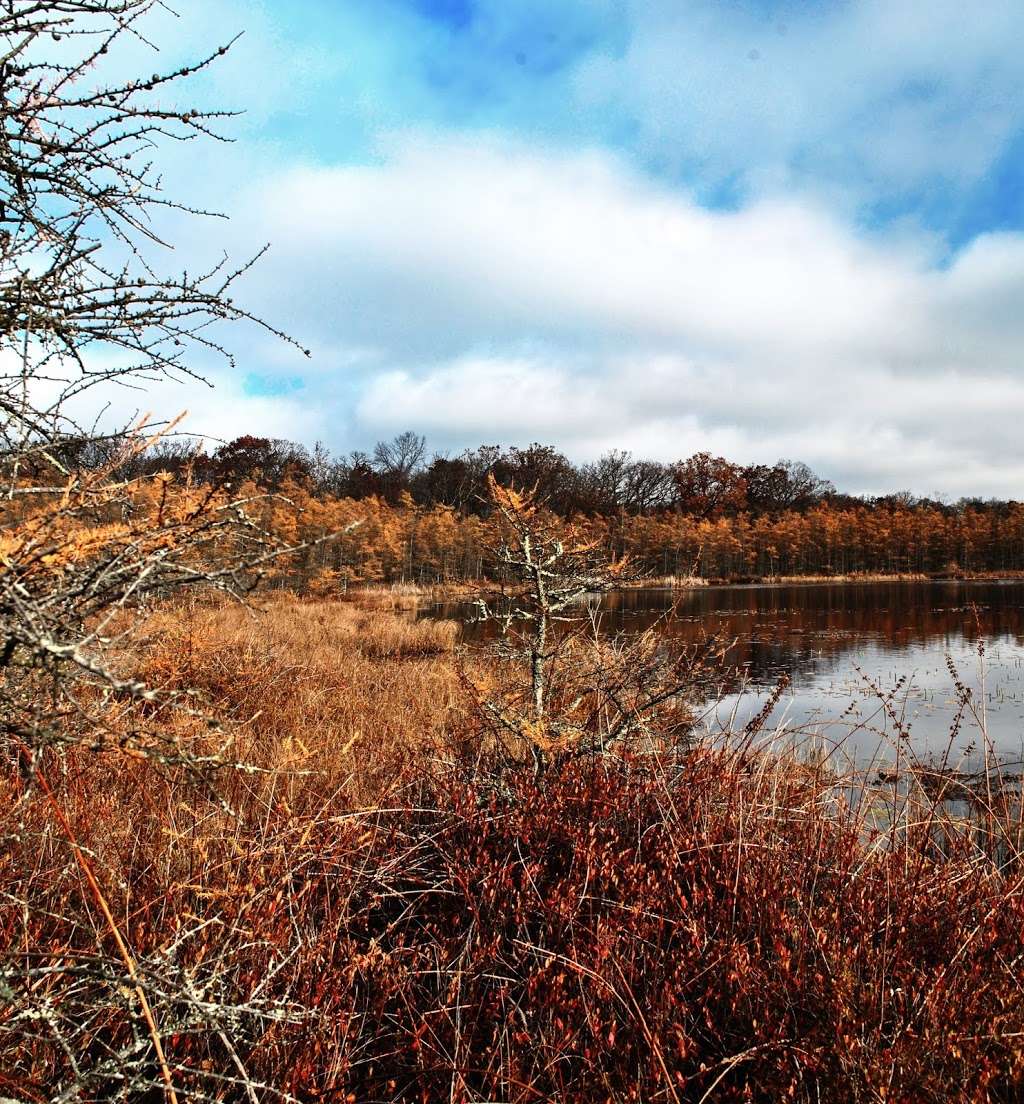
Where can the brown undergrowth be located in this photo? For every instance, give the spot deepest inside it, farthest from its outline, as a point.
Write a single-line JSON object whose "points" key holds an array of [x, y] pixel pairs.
{"points": [[371, 910]]}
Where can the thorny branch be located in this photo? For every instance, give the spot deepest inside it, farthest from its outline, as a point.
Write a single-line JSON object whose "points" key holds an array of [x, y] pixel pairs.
{"points": [[85, 549]]}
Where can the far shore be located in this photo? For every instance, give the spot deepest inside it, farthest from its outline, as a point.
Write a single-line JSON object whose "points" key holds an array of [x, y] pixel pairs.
{"points": [[686, 582], [402, 595]]}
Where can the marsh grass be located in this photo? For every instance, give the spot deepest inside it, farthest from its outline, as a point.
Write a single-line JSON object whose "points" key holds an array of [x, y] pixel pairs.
{"points": [[404, 596], [316, 691], [372, 910]]}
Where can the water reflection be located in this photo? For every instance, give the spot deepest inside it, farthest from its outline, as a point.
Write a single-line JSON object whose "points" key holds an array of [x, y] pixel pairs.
{"points": [[827, 639]]}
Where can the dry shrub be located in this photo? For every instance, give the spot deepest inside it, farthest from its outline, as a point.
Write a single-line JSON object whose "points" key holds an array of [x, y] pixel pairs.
{"points": [[704, 928], [361, 920]]}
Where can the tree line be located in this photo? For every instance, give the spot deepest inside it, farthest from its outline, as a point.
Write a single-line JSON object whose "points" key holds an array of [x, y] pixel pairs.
{"points": [[703, 486], [413, 517], [411, 543]]}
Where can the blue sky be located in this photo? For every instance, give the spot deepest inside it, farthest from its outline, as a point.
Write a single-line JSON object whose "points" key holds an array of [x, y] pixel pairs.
{"points": [[766, 229]]}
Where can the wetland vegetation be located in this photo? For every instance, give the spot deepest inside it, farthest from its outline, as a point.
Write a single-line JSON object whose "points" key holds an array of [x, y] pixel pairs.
{"points": [[277, 827]]}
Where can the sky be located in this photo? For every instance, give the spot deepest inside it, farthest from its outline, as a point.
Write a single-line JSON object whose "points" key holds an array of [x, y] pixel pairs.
{"points": [[763, 229]]}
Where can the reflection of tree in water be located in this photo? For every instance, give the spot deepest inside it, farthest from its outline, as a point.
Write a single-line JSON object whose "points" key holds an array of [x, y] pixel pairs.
{"points": [[805, 630]]}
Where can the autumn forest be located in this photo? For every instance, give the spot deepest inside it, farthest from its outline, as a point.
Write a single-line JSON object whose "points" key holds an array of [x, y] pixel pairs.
{"points": [[428, 520]]}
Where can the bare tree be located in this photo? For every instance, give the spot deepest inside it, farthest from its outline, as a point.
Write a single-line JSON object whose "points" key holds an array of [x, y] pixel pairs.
{"points": [[556, 571], [83, 303], [400, 457], [648, 487], [803, 486], [85, 539], [582, 691], [603, 482]]}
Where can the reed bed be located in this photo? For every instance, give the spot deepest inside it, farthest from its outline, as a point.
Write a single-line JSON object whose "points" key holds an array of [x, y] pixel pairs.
{"points": [[316, 689], [373, 910], [404, 596], [667, 582]]}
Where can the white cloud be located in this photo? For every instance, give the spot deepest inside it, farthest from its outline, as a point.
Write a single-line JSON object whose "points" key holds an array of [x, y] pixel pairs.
{"points": [[504, 293], [498, 240], [864, 99]]}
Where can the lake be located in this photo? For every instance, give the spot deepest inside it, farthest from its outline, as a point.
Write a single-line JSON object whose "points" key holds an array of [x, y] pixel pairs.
{"points": [[830, 640]]}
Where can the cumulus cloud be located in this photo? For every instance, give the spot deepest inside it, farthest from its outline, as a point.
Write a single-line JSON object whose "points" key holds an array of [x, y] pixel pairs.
{"points": [[869, 100], [484, 283], [506, 293], [509, 238]]}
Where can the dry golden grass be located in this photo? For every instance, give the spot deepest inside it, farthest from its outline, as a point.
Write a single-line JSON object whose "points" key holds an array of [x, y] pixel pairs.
{"points": [[674, 582], [852, 577], [404, 596], [331, 693]]}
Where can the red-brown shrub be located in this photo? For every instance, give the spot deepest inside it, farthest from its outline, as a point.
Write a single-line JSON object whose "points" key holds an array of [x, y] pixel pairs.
{"points": [[627, 932], [706, 926]]}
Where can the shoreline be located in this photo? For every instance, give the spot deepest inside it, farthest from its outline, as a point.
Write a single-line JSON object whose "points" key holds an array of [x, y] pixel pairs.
{"points": [[398, 596], [848, 578]]}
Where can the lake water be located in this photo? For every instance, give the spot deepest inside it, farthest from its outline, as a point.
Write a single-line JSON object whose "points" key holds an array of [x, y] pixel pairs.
{"points": [[832, 641]]}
